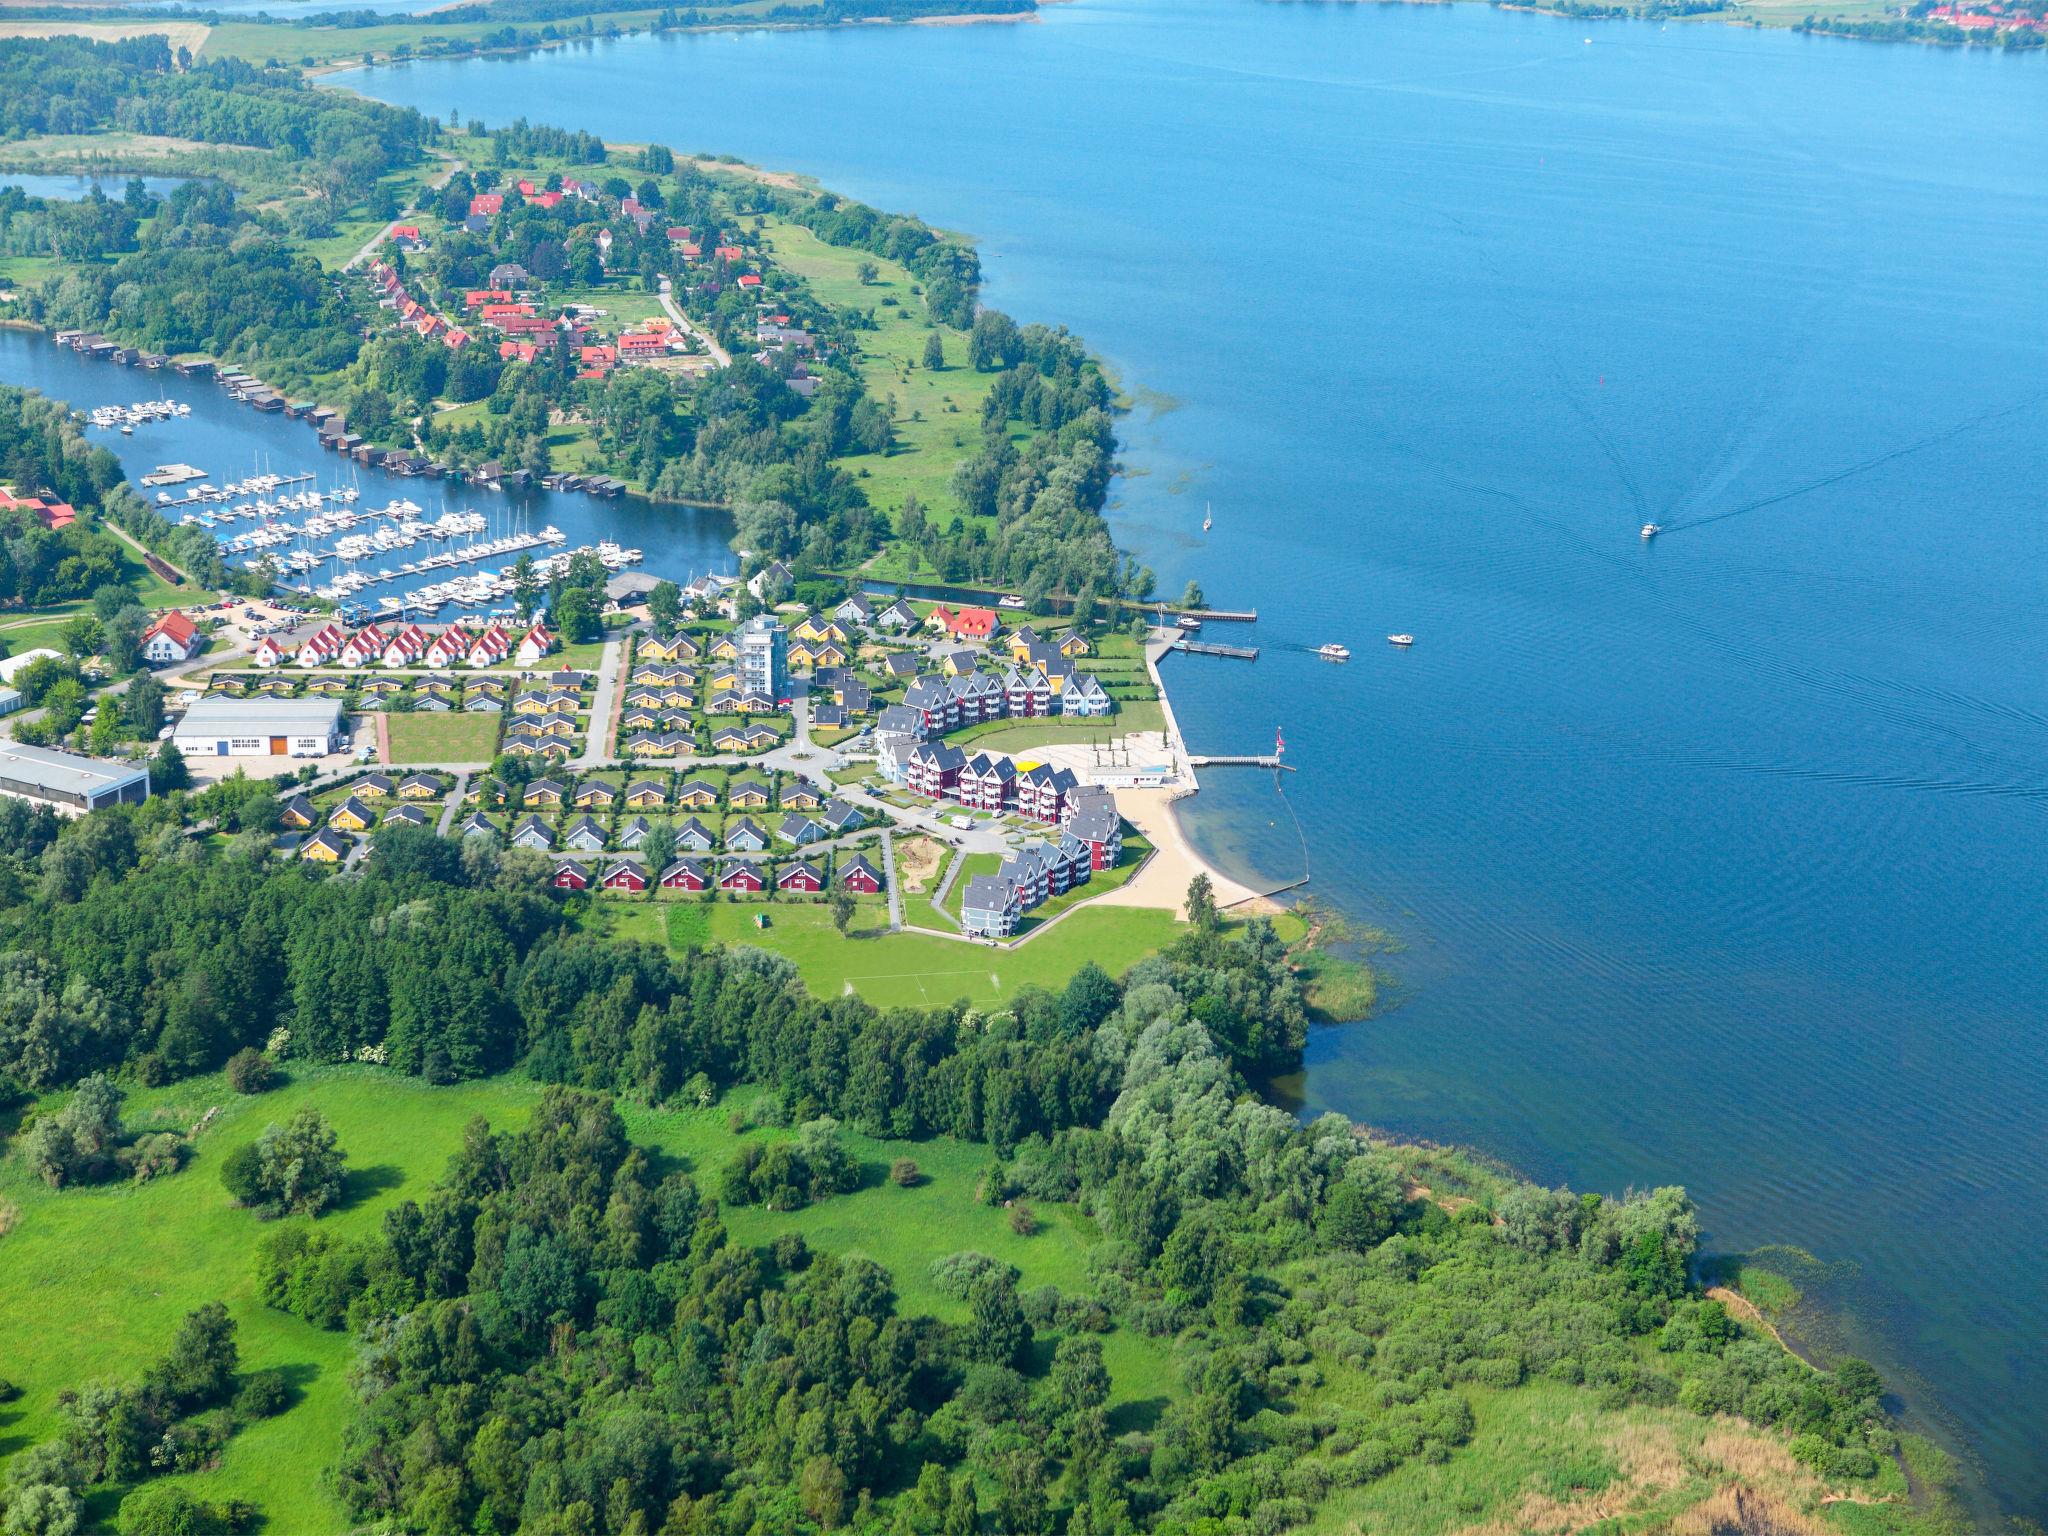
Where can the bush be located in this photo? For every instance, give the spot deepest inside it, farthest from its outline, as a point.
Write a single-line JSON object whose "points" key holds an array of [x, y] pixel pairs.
{"points": [[163, 1509], [1022, 1221], [241, 1175], [250, 1071], [904, 1173], [792, 1253], [264, 1394]]}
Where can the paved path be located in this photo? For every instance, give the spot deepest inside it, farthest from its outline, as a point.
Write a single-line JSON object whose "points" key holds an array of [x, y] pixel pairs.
{"points": [[937, 900], [675, 312], [449, 167], [889, 879], [603, 708], [454, 804]]}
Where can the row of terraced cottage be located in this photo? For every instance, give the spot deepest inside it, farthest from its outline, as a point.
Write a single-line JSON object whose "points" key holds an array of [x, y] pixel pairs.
{"points": [[805, 876], [329, 644]]}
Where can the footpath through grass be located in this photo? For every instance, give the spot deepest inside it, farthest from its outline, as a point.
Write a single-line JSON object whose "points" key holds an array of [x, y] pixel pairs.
{"points": [[895, 970]]}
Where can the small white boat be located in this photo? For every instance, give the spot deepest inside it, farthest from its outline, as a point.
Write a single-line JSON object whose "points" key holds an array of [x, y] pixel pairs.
{"points": [[1208, 518], [1400, 639], [1651, 530], [1334, 652], [1010, 602]]}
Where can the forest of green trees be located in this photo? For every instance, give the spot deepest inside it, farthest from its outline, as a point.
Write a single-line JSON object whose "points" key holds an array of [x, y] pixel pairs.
{"points": [[739, 438], [564, 1338]]}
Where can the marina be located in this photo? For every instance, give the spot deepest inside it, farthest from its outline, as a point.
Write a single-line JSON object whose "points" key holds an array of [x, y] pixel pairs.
{"points": [[368, 538]]}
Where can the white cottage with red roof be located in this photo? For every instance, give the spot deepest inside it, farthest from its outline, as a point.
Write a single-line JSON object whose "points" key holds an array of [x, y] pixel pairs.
{"points": [[172, 638]]}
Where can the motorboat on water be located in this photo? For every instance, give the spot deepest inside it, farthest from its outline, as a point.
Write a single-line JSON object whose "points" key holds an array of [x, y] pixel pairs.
{"points": [[1650, 531], [1334, 652], [1400, 639]]}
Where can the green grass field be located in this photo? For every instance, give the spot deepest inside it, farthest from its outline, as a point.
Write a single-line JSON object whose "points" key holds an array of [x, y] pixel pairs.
{"points": [[96, 1280], [451, 738], [938, 415], [895, 970], [1015, 736]]}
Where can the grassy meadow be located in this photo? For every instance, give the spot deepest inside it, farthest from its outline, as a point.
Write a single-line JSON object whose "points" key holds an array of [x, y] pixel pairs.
{"points": [[938, 415], [97, 1279]]}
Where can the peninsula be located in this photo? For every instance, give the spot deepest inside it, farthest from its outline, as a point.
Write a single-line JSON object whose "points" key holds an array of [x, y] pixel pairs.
{"points": [[588, 1051]]}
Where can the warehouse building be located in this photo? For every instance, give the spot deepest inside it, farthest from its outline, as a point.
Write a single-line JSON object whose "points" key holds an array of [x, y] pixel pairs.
{"points": [[310, 727], [67, 780]]}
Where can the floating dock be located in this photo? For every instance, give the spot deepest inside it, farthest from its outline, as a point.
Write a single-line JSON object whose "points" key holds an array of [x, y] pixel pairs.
{"points": [[1210, 648], [1247, 760]]}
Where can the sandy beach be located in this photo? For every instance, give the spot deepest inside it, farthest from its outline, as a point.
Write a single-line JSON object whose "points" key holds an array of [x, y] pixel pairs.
{"points": [[1163, 882]]}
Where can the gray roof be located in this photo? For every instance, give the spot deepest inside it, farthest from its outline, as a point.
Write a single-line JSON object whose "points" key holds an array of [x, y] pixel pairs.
{"points": [[64, 773], [987, 893], [215, 717]]}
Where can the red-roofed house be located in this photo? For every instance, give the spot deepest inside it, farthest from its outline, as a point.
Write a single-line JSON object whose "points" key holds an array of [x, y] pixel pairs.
{"points": [[518, 351], [533, 645], [750, 281], [678, 233], [729, 253], [477, 298], [487, 204], [504, 311], [173, 637], [964, 624], [456, 338], [545, 199], [692, 252], [642, 344], [55, 514], [489, 648]]}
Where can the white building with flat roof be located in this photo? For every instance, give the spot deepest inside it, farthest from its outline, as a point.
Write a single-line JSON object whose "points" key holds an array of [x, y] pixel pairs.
{"points": [[262, 728], [67, 780]]}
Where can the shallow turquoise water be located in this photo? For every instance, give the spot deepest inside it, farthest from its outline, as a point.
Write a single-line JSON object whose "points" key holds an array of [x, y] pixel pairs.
{"points": [[1717, 859]]}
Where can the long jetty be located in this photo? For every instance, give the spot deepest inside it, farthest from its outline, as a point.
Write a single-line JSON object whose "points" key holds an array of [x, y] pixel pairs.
{"points": [[1241, 760], [1211, 648]]}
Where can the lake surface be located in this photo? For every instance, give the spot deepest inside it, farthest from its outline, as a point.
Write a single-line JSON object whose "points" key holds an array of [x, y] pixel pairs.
{"points": [[75, 189], [1718, 859], [230, 442]]}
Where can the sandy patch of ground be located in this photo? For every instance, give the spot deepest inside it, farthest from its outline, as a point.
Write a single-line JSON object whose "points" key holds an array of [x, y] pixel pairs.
{"points": [[180, 34], [1163, 882], [917, 862], [787, 180]]}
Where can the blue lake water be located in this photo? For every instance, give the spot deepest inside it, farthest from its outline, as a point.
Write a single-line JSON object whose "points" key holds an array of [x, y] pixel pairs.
{"points": [[230, 442], [1715, 859], [75, 189]]}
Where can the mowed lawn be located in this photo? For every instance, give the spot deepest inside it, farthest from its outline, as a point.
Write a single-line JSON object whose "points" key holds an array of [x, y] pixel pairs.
{"points": [[96, 1280], [450, 738], [906, 970]]}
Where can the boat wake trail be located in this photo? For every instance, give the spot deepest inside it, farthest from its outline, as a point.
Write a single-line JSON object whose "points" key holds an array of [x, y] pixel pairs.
{"points": [[1862, 467]]}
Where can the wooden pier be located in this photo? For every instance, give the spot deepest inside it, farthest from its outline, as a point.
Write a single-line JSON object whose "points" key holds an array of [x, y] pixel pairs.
{"points": [[1224, 615], [1210, 648], [1247, 760]]}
